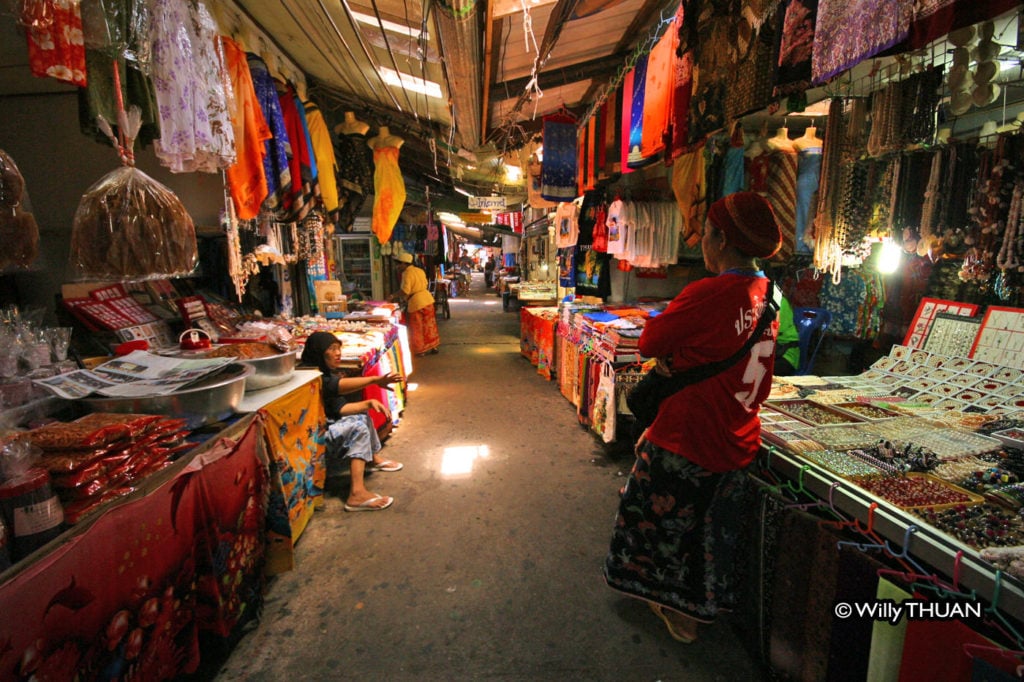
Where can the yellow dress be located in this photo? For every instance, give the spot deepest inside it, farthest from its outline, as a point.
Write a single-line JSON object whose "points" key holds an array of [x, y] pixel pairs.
{"points": [[388, 192]]}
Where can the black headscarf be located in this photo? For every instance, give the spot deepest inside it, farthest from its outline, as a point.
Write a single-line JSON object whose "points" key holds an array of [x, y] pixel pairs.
{"points": [[316, 345]]}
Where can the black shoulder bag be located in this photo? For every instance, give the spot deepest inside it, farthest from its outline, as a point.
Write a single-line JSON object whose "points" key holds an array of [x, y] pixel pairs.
{"points": [[645, 398]]}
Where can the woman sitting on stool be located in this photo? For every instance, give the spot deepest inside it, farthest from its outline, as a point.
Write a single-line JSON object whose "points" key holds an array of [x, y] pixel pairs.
{"points": [[350, 432]]}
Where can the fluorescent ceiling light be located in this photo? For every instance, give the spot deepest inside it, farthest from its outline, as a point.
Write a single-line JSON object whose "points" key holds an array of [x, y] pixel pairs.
{"points": [[463, 192], [388, 25], [404, 80]]}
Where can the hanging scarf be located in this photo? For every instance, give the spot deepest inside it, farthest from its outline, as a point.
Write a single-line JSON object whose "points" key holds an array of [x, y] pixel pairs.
{"points": [[847, 33], [276, 164], [558, 174]]}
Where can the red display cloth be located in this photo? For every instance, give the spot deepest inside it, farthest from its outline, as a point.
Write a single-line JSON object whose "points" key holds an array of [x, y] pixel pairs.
{"points": [[934, 650], [537, 337], [293, 422], [133, 589]]}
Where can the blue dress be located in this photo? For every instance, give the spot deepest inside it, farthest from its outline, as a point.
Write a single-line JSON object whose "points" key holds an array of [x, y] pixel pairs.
{"points": [[808, 173]]}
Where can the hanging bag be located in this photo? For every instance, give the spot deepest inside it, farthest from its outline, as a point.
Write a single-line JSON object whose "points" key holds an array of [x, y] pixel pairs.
{"points": [[646, 397]]}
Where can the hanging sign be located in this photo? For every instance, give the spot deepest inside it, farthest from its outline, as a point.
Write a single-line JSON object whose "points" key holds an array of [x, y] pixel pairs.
{"points": [[487, 203]]}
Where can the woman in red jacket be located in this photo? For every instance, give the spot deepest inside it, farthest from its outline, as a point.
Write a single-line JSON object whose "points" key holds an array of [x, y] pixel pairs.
{"points": [[673, 538]]}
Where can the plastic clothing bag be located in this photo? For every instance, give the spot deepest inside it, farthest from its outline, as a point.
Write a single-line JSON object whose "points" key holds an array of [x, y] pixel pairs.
{"points": [[129, 226]]}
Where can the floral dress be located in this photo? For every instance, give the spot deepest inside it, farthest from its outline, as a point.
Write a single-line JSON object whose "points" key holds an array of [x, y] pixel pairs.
{"points": [[192, 89]]}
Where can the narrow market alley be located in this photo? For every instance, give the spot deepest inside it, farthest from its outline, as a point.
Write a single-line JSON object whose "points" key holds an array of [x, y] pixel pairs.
{"points": [[489, 563]]}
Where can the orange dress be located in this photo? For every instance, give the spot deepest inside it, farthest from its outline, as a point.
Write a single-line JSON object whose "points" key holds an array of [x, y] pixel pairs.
{"points": [[388, 192], [247, 181]]}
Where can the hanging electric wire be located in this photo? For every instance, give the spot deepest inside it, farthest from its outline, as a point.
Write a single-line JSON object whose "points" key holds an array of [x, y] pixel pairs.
{"points": [[309, 28], [366, 51], [391, 54]]}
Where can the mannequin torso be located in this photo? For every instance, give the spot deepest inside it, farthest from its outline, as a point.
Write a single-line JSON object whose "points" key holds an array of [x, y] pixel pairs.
{"points": [[781, 142], [809, 140], [384, 138], [351, 125]]}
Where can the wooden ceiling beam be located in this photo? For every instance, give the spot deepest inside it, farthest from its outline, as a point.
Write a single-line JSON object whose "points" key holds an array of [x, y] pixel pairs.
{"points": [[593, 69]]}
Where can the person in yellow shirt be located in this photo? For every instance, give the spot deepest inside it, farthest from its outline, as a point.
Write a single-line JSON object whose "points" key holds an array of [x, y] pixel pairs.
{"points": [[419, 306]]}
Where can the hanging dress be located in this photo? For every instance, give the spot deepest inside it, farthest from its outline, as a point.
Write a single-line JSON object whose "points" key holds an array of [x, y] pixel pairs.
{"points": [[808, 173], [301, 162], [355, 176], [323, 152], [195, 125], [57, 50], [388, 192], [781, 194], [275, 160], [246, 180]]}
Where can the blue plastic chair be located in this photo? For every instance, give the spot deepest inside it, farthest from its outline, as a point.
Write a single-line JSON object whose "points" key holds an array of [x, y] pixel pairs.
{"points": [[811, 324]]}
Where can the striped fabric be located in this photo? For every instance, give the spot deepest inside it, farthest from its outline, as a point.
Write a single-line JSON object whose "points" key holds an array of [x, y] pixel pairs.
{"points": [[780, 186]]}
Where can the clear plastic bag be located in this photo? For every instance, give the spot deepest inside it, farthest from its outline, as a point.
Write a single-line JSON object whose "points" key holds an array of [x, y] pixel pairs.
{"points": [[129, 226], [19, 232]]}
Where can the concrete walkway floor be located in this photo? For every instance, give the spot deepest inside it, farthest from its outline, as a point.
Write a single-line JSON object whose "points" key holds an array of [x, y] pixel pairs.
{"points": [[488, 566]]}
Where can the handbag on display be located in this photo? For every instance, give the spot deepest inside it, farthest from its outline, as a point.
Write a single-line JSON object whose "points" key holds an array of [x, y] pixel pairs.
{"points": [[646, 396]]}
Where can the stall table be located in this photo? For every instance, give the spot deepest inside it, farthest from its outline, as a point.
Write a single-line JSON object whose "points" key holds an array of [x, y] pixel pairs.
{"points": [[130, 590]]}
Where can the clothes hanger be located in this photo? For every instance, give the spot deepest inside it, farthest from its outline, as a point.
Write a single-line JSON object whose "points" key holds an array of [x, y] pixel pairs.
{"points": [[1000, 621]]}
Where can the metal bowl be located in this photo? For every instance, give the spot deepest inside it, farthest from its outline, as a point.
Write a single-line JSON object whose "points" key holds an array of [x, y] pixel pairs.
{"points": [[207, 401], [270, 371]]}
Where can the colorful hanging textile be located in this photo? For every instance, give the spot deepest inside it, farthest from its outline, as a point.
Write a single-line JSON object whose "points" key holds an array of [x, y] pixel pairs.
{"points": [[56, 48], [276, 164], [717, 54], [292, 431], [781, 193], [657, 95], [678, 134], [625, 116], [689, 186], [302, 165], [246, 179], [533, 170], [323, 153], [355, 176], [191, 89], [558, 175], [591, 172], [849, 32], [612, 159], [796, 41], [750, 83], [635, 158], [388, 192]]}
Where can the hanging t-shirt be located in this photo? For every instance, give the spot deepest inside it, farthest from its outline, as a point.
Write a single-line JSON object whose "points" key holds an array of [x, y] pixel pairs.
{"points": [[566, 224], [601, 229], [593, 276], [616, 229], [567, 267]]}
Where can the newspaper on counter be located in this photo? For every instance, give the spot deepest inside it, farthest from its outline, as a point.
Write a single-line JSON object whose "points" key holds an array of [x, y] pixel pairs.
{"points": [[134, 375]]}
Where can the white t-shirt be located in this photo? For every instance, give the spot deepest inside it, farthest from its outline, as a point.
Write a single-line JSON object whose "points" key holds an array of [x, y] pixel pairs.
{"points": [[616, 228], [567, 226]]}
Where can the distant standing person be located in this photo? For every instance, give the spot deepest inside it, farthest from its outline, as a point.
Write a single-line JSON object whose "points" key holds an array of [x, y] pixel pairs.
{"points": [[419, 307], [489, 273]]}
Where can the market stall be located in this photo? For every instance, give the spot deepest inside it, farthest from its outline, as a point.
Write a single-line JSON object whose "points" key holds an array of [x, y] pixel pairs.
{"points": [[134, 588]]}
